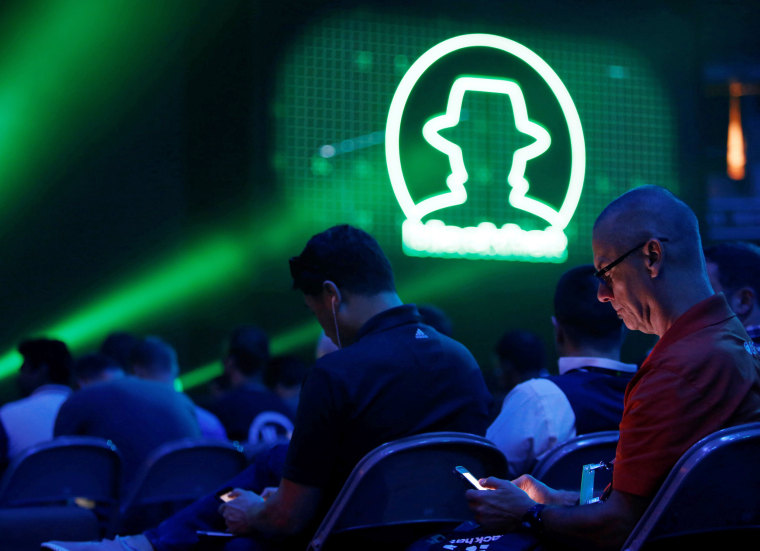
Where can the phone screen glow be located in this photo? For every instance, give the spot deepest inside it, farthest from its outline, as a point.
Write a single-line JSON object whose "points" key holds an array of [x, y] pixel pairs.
{"points": [[467, 475]]}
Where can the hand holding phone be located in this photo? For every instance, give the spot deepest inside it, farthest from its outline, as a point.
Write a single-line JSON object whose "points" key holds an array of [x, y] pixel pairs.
{"points": [[224, 494], [468, 476]]}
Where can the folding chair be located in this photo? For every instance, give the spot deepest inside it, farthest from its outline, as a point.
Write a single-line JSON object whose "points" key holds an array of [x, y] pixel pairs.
{"points": [[270, 428], [561, 467], [41, 489], [175, 475], [62, 471], [710, 498], [406, 489]]}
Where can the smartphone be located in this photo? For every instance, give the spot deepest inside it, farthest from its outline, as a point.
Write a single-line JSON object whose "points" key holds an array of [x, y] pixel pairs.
{"points": [[467, 475], [210, 534], [224, 494]]}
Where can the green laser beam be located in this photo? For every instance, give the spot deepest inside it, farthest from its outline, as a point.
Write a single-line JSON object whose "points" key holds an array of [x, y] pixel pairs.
{"points": [[68, 66], [209, 267], [189, 276]]}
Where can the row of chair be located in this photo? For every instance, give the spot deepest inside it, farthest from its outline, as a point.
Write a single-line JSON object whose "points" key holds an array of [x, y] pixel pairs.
{"points": [[86, 471], [405, 489]]}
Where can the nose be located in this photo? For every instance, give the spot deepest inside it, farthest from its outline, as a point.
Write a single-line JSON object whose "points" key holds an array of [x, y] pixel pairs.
{"points": [[603, 292]]}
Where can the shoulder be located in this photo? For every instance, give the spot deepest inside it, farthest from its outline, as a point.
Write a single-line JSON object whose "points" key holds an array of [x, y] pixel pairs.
{"points": [[532, 395]]}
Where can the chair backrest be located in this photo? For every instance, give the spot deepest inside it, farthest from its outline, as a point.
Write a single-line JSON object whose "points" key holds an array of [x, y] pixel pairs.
{"points": [[561, 467], [406, 488], [269, 428], [61, 470], [176, 474], [712, 494]]}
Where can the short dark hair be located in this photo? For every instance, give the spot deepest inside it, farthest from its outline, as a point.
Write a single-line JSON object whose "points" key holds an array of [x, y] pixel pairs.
{"points": [[53, 353], [523, 350], [345, 255], [579, 312], [91, 366], [156, 355], [738, 264], [249, 347], [118, 346]]}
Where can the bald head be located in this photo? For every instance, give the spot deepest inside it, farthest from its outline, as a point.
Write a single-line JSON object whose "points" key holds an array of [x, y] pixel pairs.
{"points": [[648, 241], [652, 211]]}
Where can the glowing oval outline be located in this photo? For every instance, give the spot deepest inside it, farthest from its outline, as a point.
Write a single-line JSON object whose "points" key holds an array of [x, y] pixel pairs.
{"points": [[451, 45]]}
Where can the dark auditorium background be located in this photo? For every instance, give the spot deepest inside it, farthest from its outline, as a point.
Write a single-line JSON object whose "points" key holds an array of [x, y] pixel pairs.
{"points": [[161, 161]]}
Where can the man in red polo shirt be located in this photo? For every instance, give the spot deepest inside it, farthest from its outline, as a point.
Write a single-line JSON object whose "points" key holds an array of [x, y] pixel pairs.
{"points": [[703, 374]]}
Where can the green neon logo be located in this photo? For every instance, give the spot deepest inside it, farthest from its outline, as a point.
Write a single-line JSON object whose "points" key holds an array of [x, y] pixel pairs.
{"points": [[485, 240]]}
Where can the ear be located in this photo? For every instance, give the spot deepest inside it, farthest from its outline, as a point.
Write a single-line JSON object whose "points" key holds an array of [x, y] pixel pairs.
{"points": [[742, 301], [559, 334], [332, 293], [655, 256]]}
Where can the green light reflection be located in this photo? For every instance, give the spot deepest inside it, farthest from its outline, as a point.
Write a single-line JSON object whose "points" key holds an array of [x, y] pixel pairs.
{"points": [[69, 66], [213, 266]]}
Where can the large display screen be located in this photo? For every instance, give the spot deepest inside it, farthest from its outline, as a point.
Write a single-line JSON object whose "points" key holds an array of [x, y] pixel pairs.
{"points": [[476, 127]]}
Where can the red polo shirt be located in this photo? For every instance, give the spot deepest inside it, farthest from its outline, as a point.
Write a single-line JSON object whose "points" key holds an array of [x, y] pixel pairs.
{"points": [[702, 375]]}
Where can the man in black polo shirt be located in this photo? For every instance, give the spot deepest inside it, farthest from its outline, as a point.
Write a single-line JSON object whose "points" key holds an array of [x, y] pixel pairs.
{"points": [[393, 376]]}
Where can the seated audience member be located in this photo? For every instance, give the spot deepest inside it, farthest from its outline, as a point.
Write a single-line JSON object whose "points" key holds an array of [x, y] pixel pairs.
{"points": [[118, 346], [391, 377], [734, 270], [586, 396], [247, 355], [703, 375], [137, 415], [518, 356], [284, 375], [155, 360], [43, 380], [95, 368]]}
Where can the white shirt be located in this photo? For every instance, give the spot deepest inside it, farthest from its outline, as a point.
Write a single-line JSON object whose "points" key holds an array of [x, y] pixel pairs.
{"points": [[536, 415], [30, 420]]}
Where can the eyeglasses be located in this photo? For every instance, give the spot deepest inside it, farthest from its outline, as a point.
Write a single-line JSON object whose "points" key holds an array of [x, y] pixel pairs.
{"points": [[601, 273]]}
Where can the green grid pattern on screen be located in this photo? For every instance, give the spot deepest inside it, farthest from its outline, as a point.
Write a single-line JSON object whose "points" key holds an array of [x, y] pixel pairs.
{"points": [[336, 83]]}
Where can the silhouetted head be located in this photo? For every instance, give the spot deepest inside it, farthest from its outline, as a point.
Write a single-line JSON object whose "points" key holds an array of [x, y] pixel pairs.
{"points": [[46, 361], [95, 368], [583, 319], [248, 353], [155, 359], [286, 371], [520, 355], [118, 346], [734, 270]]}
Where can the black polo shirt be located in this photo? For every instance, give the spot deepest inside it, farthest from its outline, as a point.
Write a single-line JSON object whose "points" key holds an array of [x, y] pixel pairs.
{"points": [[401, 377]]}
